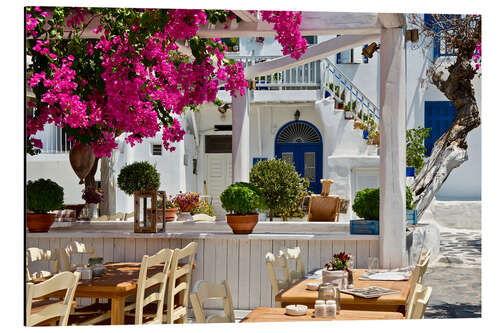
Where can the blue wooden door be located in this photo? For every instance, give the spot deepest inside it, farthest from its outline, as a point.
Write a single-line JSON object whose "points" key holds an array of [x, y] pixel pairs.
{"points": [[438, 116], [307, 157]]}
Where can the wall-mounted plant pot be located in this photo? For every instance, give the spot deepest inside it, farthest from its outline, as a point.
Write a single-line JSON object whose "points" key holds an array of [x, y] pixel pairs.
{"points": [[410, 171], [364, 227], [242, 224], [365, 134], [39, 222]]}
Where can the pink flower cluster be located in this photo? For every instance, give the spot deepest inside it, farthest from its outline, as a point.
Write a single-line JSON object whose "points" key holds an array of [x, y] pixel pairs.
{"points": [[477, 56], [287, 26]]}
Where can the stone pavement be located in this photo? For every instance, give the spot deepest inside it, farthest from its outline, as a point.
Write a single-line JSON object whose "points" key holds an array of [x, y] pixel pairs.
{"points": [[455, 276]]}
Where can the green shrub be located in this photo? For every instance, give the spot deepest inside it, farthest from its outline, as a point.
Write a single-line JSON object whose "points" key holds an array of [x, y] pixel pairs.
{"points": [[241, 199], [282, 187], [44, 195], [138, 176], [366, 203], [415, 147]]}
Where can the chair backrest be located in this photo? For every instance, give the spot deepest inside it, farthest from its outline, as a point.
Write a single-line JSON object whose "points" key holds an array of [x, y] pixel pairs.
{"points": [[60, 281], [204, 290], [34, 254], [420, 300], [324, 208], [418, 274], [127, 216], [293, 253], [143, 298], [179, 282], [75, 247], [279, 262]]}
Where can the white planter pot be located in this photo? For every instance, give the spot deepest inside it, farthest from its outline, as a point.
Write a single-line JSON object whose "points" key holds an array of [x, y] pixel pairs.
{"points": [[334, 276], [92, 210]]}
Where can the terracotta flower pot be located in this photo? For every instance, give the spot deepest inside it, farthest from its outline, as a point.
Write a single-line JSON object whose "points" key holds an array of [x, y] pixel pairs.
{"points": [[39, 222], [170, 214], [242, 224]]}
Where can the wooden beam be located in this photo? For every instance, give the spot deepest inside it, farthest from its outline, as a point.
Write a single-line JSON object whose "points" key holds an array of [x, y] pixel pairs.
{"points": [[313, 53]]}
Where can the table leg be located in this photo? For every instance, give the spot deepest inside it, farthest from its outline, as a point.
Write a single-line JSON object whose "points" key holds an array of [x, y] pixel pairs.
{"points": [[118, 311]]}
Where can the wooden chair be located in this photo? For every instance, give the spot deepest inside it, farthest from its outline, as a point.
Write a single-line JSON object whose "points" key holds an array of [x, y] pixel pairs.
{"points": [[420, 301], [178, 284], [61, 281], [204, 290], [418, 274], [272, 263], [72, 248], [34, 254], [293, 253], [126, 216]]}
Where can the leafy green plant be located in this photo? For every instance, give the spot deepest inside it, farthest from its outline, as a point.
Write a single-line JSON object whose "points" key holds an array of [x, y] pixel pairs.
{"points": [[415, 148], [282, 187], [138, 176], [203, 208], [44, 195], [241, 199], [366, 203]]}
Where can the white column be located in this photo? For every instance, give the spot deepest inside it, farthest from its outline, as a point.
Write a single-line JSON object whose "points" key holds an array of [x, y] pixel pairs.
{"points": [[392, 148], [241, 137]]}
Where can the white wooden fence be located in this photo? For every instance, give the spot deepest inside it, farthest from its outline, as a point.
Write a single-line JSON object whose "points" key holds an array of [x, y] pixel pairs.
{"points": [[238, 260]]}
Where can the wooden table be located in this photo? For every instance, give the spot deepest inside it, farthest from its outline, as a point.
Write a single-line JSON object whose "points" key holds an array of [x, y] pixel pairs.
{"points": [[298, 294], [278, 314]]}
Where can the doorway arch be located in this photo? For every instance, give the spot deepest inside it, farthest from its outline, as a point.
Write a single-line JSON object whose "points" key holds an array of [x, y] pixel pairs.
{"points": [[299, 142]]}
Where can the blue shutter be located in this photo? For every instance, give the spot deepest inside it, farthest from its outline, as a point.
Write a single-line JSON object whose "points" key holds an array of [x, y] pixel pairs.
{"points": [[438, 116]]}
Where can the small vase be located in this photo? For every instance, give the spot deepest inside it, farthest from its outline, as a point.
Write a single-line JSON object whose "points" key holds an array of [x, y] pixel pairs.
{"points": [[184, 216], [337, 277], [92, 210]]}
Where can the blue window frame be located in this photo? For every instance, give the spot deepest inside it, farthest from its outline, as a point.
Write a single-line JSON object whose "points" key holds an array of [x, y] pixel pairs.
{"points": [[438, 116]]}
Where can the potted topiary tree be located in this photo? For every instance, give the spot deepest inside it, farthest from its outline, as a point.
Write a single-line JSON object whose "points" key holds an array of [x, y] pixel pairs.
{"points": [[242, 200], [282, 187], [42, 196]]}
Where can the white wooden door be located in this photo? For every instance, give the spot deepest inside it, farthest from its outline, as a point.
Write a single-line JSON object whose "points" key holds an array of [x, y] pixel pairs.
{"points": [[361, 179], [219, 176]]}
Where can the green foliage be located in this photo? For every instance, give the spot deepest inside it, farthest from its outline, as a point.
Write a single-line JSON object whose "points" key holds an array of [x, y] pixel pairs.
{"points": [[366, 203], [138, 176], [44, 195], [203, 208], [241, 199], [282, 187], [415, 148]]}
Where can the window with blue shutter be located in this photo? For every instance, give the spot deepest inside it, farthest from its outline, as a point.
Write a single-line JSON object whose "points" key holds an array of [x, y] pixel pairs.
{"points": [[440, 49], [438, 116]]}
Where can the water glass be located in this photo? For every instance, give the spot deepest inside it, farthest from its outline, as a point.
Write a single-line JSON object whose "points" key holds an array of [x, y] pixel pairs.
{"points": [[372, 263]]}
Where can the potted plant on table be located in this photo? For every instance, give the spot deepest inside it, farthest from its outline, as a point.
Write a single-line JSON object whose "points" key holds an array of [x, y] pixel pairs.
{"points": [[242, 200], [186, 202], [42, 196], [337, 268]]}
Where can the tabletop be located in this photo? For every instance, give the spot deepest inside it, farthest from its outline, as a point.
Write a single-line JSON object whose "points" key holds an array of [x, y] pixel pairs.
{"points": [[278, 314], [298, 294]]}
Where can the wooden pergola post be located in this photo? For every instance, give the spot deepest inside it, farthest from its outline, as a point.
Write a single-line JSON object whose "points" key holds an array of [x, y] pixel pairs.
{"points": [[392, 148]]}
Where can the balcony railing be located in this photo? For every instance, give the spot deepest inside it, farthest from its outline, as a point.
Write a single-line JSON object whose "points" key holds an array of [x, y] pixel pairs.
{"points": [[54, 140], [302, 77]]}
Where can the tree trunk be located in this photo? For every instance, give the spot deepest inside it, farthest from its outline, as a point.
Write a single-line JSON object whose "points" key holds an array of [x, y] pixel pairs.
{"points": [[450, 151]]}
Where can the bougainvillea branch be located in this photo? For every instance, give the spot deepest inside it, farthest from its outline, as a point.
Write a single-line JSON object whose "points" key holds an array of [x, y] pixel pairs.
{"points": [[130, 78]]}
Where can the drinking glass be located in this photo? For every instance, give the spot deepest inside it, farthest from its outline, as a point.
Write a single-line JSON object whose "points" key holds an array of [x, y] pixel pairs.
{"points": [[372, 264]]}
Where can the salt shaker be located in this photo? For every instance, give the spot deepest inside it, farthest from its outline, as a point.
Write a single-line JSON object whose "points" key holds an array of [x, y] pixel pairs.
{"points": [[331, 308], [320, 308]]}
